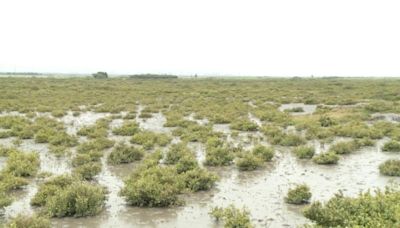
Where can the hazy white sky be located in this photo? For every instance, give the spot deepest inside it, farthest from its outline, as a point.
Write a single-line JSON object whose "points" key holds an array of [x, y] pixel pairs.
{"points": [[207, 37]]}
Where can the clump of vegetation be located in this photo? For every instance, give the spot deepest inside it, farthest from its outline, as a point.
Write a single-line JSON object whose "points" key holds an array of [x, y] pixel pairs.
{"points": [[299, 195], [304, 152], [244, 125], [232, 217], [128, 128], [219, 156], [263, 152], [99, 129], [25, 221], [366, 210], [149, 139], [67, 196], [21, 164], [248, 162], [391, 146], [328, 158], [390, 168], [199, 180], [344, 147], [123, 153]]}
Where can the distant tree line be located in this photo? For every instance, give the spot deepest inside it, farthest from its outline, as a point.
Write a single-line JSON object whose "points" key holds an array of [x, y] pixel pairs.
{"points": [[100, 75]]}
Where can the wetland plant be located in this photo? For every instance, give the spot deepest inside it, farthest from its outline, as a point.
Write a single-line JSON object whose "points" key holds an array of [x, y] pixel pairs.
{"points": [[391, 146], [328, 158], [128, 128], [28, 221], [122, 153], [150, 139], [299, 195], [344, 147], [366, 210], [390, 168], [232, 217], [263, 152], [248, 162], [304, 152]]}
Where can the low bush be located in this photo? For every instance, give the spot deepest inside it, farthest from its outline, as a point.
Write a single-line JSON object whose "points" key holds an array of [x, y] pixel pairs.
{"points": [[10, 182], [22, 164], [367, 210], [128, 128], [391, 146], [97, 144], [390, 168], [292, 140], [219, 156], [263, 152], [58, 150], [149, 139], [153, 187], [123, 153], [248, 162], [299, 195], [5, 199], [295, 109], [344, 147], [65, 195], [328, 158], [88, 170], [304, 152], [244, 125], [176, 152], [199, 180], [99, 129], [232, 217], [29, 221]]}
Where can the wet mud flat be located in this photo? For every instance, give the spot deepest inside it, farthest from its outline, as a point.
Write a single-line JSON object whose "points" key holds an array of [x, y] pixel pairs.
{"points": [[261, 191]]}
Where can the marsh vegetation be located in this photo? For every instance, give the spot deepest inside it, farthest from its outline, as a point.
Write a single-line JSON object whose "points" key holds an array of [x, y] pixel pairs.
{"points": [[139, 152]]}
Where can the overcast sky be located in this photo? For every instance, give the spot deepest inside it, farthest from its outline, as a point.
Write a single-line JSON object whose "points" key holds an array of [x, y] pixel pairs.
{"points": [[205, 37]]}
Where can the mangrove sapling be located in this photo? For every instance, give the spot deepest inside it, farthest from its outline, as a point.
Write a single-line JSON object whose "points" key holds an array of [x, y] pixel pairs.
{"points": [[328, 158], [304, 152], [299, 195], [176, 152], [263, 152], [390, 168], [28, 221], [292, 139], [186, 162], [232, 217], [63, 139], [122, 153], [128, 128], [248, 162], [149, 139], [88, 171], [391, 146], [365, 210]]}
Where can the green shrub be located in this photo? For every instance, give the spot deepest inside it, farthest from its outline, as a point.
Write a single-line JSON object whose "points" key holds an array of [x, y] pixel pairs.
{"points": [[328, 158], [392, 146], [263, 152], [326, 121], [244, 125], [43, 135], [5, 200], [88, 171], [128, 128], [149, 139], [22, 164], [292, 140], [295, 109], [64, 196], [123, 153], [232, 217], [219, 156], [153, 187], [10, 182], [299, 195], [304, 152], [248, 162], [98, 130], [97, 144], [366, 210], [344, 147], [199, 179], [390, 168], [58, 150], [176, 152], [33, 221], [186, 163]]}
